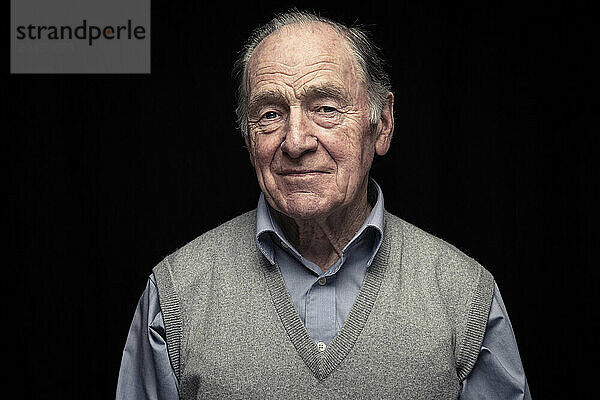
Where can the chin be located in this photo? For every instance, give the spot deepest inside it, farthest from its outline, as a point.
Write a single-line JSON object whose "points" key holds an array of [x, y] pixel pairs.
{"points": [[304, 206]]}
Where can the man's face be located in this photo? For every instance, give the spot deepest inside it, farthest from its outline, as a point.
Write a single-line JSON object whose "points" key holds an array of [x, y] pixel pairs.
{"points": [[310, 138]]}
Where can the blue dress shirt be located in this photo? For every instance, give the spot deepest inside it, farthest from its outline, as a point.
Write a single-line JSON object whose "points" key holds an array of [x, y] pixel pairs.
{"points": [[323, 301]]}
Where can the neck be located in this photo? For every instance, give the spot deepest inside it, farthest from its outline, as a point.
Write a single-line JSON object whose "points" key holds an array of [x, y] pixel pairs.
{"points": [[321, 240]]}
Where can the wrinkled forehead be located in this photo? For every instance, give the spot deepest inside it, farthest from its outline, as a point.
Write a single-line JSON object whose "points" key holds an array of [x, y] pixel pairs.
{"points": [[294, 48]]}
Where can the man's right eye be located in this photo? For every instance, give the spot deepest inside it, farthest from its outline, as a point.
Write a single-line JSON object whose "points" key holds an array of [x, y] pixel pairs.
{"points": [[269, 119], [269, 115]]}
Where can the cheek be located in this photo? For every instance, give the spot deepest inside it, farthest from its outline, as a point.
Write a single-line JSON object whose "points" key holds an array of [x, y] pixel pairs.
{"points": [[349, 152], [265, 148]]}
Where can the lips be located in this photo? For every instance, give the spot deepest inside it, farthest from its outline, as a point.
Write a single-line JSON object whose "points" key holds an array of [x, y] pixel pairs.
{"points": [[300, 172]]}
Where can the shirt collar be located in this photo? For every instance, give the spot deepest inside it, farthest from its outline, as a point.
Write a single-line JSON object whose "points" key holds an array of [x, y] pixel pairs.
{"points": [[266, 227]]}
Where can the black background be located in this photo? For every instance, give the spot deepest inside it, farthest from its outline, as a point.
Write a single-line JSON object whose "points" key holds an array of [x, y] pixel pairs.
{"points": [[107, 174]]}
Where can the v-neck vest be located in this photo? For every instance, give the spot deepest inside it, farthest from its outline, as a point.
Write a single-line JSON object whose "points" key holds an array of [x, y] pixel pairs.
{"points": [[414, 331]]}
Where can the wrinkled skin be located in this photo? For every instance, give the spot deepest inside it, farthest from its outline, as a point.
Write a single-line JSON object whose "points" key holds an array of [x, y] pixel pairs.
{"points": [[310, 138]]}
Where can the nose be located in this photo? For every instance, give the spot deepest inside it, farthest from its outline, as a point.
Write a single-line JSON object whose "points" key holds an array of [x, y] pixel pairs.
{"points": [[299, 138]]}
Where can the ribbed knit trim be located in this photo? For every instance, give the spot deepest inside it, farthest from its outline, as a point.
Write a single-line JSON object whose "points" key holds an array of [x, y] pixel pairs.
{"points": [[476, 324], [171, 311], [323, 363]]}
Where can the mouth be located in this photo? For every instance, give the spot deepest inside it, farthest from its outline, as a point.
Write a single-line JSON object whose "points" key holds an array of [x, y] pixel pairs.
{"points": [[292, 173]]}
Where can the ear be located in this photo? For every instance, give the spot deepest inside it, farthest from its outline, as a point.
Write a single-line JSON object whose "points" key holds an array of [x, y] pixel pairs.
{"points": [[250, 148], [385, 127]]}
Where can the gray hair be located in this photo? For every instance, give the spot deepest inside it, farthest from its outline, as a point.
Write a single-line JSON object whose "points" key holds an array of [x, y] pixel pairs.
{"points": [[370, 62]]}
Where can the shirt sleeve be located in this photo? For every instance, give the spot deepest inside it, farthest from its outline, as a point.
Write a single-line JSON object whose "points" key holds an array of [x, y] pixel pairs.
{"points": [[146, 372], [498, 372]]}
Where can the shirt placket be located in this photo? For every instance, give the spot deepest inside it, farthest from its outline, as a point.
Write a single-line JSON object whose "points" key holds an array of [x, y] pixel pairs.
{"points": [[321, 310]]}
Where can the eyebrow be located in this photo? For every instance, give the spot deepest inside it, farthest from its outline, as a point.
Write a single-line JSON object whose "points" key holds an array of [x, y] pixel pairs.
{"points": [[326, 90], [265, 97]]}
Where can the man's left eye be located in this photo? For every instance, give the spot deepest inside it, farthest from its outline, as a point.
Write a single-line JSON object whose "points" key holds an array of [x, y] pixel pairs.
{"points": [[326, 109]]}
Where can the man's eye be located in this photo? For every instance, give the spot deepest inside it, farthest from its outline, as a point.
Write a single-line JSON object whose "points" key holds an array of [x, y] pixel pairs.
{"points": [[269, 115], [326, 109]]}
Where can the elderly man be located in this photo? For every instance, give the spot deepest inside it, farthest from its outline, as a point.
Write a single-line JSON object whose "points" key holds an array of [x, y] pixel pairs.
{"points": [[318, 292]]}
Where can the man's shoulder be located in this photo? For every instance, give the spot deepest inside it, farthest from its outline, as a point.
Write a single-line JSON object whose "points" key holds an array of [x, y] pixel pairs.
{"points": [[424, 247], [460, 279], [229, 239], [228, 233]]}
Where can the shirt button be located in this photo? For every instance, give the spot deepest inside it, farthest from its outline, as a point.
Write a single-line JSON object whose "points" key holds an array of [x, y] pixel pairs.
{"points": [[321, 346], [322, 281]]}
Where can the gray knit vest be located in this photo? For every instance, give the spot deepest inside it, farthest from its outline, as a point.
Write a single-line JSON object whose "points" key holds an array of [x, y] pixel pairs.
{"points": [[414, 331]]}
